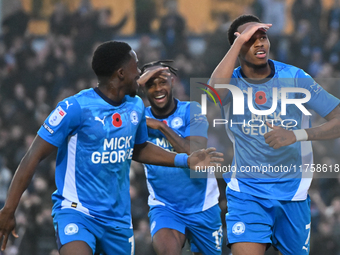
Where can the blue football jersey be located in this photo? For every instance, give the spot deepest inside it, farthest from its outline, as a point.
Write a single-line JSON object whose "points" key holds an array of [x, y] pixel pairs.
{"points": [[171, 186], [95, 138], [258, 169]]}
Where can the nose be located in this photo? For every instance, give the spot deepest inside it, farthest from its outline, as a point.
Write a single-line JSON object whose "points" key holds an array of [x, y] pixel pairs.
{"points": [[258, 42], [158, 86]]}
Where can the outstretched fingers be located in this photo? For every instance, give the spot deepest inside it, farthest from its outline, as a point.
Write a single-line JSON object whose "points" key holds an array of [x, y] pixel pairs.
{"points": [[216, 159], [4, 241], [216, 154], [210, 149]]}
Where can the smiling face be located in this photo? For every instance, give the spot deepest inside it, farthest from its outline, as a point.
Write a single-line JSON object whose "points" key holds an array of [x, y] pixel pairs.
{"points": [[159, 93], [132, 75], [254, 53]]}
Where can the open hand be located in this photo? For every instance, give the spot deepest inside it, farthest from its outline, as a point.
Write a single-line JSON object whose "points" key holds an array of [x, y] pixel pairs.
{"points": [[161, 72], [205, 158], [251, 30]]}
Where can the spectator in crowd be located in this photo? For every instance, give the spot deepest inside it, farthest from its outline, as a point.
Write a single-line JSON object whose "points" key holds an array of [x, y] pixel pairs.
{"points": [[15, 24], [172, 31], [145, 13]]}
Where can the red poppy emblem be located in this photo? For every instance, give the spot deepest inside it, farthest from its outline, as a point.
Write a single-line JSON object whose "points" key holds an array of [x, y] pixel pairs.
{"points": [[166, 123], [260, 97], [116, 120]]}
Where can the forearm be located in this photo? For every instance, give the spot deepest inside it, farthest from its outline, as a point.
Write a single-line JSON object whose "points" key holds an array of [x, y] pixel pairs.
{"points": [[154, 155], [20, 182], [225, 68], [180, 144], [328, 130], [39, 150]]}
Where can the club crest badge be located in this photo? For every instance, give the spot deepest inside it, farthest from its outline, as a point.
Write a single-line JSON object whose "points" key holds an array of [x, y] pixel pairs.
{"points": [[134, 117], [176, 122]]}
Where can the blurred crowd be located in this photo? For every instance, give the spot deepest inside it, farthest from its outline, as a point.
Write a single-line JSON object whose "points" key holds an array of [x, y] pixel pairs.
{"points": [[37, 72]]}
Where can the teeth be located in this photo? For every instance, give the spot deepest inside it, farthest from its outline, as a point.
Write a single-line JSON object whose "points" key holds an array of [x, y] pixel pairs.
{"points": [[259, 52], [159, 97]]}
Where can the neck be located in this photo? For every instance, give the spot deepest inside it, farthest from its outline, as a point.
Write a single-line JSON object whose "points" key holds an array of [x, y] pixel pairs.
{"points": [[112, 90], [256, 71], [168, 108]]}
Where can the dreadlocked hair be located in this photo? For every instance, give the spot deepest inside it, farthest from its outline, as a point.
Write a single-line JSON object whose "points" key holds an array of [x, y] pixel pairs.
{"points": [[164, 63]]}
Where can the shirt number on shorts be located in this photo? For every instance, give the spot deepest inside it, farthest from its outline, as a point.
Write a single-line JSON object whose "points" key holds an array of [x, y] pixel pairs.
{"points": [[305, 247], [218, 237], [132, 241]]}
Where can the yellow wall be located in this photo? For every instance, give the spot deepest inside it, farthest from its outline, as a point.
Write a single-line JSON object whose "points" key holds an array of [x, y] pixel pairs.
{"points": [[119, 10], [199, 14]]}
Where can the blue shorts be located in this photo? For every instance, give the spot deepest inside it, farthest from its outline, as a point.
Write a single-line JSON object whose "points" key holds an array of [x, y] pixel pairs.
{"points": [[284, 224], [203, 229], [71, 225]]}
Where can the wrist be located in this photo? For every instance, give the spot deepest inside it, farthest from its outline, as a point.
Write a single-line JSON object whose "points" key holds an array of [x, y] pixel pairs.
{"points": [[8, 210], [300, 135], [239, 41], [181, 160], [161, 126]]}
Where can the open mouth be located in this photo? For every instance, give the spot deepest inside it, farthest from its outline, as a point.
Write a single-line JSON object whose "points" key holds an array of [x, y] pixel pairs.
{"points": [[160, 98], [260, 54]]}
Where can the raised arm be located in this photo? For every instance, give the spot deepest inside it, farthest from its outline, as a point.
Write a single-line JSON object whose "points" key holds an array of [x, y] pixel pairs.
{"points": [[39, 150], [224, 70]]}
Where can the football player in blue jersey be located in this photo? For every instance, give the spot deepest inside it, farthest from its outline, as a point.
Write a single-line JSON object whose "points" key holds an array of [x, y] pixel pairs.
{"points": [[265, 103], [180, 207], [97, 133]]}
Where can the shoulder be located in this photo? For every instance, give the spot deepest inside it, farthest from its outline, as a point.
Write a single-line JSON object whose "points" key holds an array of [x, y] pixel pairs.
{"points": [[85, 93], [236, 72], [285, 70], [81, 98], [184, 106], [189, 107]]}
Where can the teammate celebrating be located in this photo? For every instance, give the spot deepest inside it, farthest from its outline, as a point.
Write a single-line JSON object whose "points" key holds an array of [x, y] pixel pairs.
{"points": [[180, 207], [97, 132], [269, 207]]}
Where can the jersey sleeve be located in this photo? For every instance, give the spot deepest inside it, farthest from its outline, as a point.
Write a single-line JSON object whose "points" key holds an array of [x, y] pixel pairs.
{"points": [[321, 101], [196, 123], [142, 131], [61, 123]]}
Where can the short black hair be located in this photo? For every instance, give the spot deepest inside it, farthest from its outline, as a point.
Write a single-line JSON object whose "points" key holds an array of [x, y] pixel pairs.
{"points": [[239, 21], [164, 63], [109, 57]]}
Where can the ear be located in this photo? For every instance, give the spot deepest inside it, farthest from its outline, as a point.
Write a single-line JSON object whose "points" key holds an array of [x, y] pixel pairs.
{"points": [[172, 80], [121, 73]]}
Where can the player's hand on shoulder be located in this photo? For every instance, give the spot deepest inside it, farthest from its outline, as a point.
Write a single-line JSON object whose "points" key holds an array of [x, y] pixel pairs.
{"points": [[205, 158], [279, 137], [155, 71], [154, 124], [250, 31], [7, 225]]}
